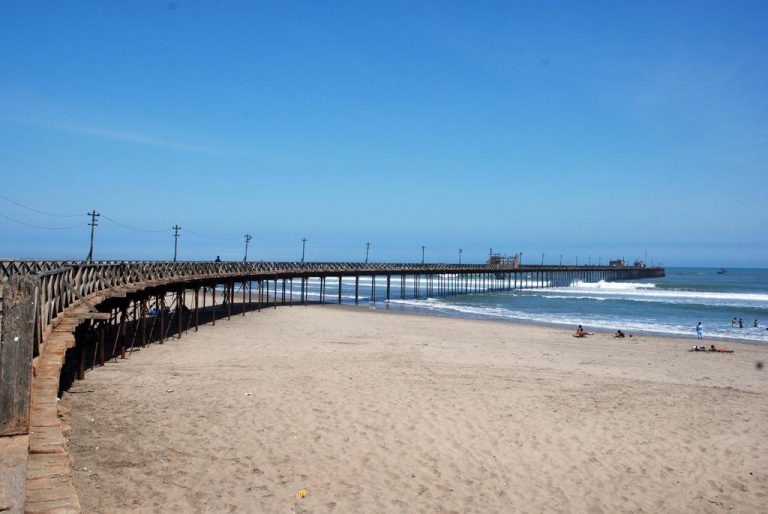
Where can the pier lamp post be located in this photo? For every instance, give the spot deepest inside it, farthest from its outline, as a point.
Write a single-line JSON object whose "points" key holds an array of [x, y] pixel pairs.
{"points": [[422, 253], [561, 259], [460, 252], [542, 259], [367, 249], [303, 247]]}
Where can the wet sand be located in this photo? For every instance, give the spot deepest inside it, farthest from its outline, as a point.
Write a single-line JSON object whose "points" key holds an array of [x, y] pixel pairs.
{"points": [[374, 412]]}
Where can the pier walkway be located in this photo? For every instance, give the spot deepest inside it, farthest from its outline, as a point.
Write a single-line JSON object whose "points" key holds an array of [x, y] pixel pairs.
{"points": [[60, 318]]}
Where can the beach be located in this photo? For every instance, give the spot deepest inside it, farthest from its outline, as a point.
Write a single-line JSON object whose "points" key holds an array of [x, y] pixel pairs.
{"points": [[368, 411]]}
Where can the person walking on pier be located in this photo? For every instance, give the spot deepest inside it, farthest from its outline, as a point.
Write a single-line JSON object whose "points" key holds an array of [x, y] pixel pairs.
{"points": [[699, 331]]}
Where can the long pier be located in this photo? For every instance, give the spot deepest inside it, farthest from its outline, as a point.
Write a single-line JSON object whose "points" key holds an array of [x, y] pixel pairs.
{"points": [[60, 318]]}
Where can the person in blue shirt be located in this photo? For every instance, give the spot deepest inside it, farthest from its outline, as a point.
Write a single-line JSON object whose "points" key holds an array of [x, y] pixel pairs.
{"points": [[699, 331]]}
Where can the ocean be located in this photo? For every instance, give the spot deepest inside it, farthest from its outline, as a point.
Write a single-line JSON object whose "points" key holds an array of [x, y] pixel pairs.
{"points": [[671, 305]]}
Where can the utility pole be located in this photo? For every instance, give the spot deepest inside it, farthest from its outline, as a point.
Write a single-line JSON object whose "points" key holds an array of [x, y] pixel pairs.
{"points": [[577, 260], [460, 252], [367, 249], [303, 247], [176, 229], [94, 223], [589, 261], [599, 261], [542, 259], [247, 240], [561, 259], [422, 253]]}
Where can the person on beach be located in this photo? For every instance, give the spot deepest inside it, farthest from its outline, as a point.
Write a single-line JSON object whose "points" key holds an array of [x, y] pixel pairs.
{"points": [[741, 323], [580, 332], [699, 331], [733, 321], [619, 333], [755, 324]]}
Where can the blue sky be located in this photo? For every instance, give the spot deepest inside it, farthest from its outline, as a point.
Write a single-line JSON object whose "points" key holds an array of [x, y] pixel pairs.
{"points": [[599, 129]]}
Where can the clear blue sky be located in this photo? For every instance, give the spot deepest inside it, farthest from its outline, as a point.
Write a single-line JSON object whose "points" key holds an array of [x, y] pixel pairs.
{"points": [[577, 128]]}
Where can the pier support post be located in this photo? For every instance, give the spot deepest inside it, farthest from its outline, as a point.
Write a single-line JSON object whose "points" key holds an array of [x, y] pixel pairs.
{"points": [[197, 307], [101, 333], [357, 288], [161, 314], [121, 330], [143, 314], [179, 313]]}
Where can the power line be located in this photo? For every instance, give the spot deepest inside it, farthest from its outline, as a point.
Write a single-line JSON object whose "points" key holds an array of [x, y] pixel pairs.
{"points": [[39, 211], [212, 238], [40, 226], [128, 226]]}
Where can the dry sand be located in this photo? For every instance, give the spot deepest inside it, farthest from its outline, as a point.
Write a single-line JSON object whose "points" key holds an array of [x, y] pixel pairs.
{"points": [[370, 412]]}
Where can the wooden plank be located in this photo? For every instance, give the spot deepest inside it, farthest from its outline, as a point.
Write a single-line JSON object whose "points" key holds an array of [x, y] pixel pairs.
{"points": [[16, 351], [13, 472], [89, 315]]}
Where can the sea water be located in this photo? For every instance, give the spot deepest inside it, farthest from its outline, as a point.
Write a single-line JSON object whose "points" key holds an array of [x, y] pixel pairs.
{"points": [[671, 305]]}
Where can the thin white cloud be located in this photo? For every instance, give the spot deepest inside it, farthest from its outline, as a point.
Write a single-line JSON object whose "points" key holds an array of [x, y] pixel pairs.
{"points": [[114, 135]]}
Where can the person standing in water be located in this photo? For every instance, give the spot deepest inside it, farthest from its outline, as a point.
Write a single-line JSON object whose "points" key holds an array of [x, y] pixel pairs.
{"points": [[699, 331], [741, 323]]}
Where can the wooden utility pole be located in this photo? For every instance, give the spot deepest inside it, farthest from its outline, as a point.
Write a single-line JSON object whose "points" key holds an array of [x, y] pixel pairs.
{"points": [[247, 240], [176, 229], [93, 224]]}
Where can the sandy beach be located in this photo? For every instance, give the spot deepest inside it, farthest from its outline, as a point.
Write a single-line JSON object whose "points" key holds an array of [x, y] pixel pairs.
{"points": [[367, 411]]}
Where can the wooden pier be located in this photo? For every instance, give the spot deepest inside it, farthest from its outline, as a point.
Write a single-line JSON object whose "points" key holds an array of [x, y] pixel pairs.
{"points": [[60, 318]]}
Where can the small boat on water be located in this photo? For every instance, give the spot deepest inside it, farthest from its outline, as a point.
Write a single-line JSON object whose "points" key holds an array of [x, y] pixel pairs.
{"points": [[722, 271]]}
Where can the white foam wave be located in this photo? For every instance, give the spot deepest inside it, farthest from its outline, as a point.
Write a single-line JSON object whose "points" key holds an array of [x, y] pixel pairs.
{"points": [[646, 293], [613, 286], [593, 321]]}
